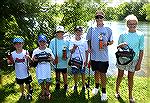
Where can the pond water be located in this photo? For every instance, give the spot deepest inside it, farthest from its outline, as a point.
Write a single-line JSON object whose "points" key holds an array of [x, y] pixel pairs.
{"points": [[117, 29]]}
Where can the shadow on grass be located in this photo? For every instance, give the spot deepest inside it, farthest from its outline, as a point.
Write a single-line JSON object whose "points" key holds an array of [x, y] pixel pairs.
{"points": [[21, 100], [58, 96], [95, 99], [121, 100], [7, 90], [76, 97], [7, 70]]}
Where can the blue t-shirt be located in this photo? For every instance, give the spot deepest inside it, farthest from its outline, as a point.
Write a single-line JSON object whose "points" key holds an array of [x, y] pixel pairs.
{"points": [[93, 35], [60, 44], [134, 41]]}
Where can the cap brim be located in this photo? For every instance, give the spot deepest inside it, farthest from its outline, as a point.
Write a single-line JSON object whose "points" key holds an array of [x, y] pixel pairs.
{"points": [[99, 15]]}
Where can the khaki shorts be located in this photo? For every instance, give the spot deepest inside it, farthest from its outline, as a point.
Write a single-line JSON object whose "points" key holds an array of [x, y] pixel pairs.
{"points": [[129, 67]]}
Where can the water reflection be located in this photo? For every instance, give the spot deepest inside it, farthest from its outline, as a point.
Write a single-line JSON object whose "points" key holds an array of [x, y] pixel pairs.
{"points": [[117, 29]]}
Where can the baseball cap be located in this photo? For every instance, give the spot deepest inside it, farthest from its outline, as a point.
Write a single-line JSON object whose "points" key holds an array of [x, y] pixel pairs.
{"points": [[42, 37], [78, 28], [18, 40], [99, 14], [60, 29]]}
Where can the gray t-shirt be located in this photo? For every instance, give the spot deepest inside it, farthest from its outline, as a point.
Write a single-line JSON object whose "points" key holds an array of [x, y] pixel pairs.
{"points": [[93, 35]]}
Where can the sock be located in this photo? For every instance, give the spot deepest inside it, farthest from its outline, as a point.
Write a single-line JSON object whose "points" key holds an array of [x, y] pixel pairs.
{"points": [[57, 80], [103, 90], [97, 85]]}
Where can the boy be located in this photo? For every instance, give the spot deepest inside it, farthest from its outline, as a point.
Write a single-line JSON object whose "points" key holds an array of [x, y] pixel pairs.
{"points": [[43, 56], [78, 48], [60, 48], [99, 38], [19, 58]]}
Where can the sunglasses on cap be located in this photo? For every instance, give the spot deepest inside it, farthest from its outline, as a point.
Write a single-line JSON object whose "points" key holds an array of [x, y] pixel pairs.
{"points": [[99, 17]]}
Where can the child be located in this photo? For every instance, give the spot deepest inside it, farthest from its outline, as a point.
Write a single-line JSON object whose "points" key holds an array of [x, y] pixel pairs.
{"points": [[78, 48], [60, 48], [43, 56], [19, 58]]}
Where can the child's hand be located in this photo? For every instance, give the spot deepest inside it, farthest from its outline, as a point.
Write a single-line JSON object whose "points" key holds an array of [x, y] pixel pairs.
{"points": [[85, 63], [27, 57], [9, 61], [35, 59], [56, 60], [74, 48], [50, 58], [122, 45]]}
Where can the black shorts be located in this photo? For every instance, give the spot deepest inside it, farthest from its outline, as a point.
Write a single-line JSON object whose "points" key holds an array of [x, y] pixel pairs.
{"points": [[27, 80], [100, 66], [63, 70]]}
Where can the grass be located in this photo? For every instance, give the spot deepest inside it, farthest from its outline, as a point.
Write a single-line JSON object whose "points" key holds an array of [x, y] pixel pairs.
{"points": [[9, 90]]}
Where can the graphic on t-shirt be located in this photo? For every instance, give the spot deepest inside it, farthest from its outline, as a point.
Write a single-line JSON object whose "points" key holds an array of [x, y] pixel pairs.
{"points": [[18, 60], [43, 56]]}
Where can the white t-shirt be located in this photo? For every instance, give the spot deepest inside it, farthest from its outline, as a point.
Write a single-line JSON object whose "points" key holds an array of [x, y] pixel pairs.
{"points": [[20, 64], [43, 69], [80, 50]]}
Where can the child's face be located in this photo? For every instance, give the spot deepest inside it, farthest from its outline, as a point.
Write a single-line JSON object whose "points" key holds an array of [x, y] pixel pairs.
{"points": [[18, 46], [132, 24], [60, 35], [42, 43], [78, 33]]}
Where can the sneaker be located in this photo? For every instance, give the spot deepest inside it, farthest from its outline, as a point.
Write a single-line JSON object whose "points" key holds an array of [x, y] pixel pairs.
{"points": [[132, 100], [31, 91], [29, 97], [117, 95], [104, 97], [74, 88], [95, 91]]}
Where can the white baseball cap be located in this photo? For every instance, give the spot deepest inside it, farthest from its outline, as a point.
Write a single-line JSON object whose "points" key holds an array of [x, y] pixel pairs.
{"points": [[60, 28]]}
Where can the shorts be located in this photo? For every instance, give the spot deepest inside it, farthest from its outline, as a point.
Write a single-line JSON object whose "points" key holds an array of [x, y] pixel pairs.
{"points": [[75, 70], [63, 70], [27, 80], [47, 80], [100, 66], [129, 67]]}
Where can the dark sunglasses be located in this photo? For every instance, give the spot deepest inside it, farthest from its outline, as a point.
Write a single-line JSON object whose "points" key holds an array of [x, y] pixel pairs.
{"points": [[99, 17]]}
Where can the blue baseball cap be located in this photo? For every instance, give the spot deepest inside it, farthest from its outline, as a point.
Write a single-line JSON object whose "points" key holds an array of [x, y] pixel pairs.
{"points": [[18, 40], [42, 37]]}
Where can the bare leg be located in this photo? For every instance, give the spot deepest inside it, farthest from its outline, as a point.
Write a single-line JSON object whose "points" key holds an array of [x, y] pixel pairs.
{"points": [[27, 86], [119, 79], [64, 78], [103, 79], [97, 77], [47, 86], [75, 78], [48, 95], [43, 88], [57, 77], [130, 83], [22, 89], [83, 79]]}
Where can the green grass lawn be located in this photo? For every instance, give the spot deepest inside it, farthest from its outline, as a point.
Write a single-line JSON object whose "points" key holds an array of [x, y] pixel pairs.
{"points": [[9, 91]]}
